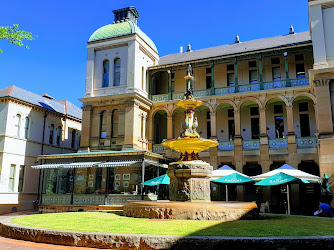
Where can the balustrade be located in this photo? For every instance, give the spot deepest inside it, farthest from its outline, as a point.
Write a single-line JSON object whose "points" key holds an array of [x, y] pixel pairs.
{"points": [[231, 90], [226, 146], [157, 148], [278, 143], [251, 144], [306, 142]]}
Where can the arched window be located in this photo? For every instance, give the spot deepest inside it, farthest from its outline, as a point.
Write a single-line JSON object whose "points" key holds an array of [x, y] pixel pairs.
{"points": [[105, 80], [74, 133], [59, 132], [26, 128], [117, 72], [52, 129], [18, 124], [114, 124], [103, 124]]}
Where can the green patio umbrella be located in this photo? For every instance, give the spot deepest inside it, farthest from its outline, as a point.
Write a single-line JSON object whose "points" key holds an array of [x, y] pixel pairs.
{"points": [[281, 179], [163, 179], [235, 178], [325, 184]]}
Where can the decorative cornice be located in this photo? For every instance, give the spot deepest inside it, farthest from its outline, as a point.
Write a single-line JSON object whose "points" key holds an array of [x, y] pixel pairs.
{"points": [[87, 108], [321, 82]]}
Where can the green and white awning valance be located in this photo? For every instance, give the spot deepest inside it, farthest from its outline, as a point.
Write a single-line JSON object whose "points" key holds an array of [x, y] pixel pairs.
{"points": [[119, 163], [116, 163], [67, 165]]}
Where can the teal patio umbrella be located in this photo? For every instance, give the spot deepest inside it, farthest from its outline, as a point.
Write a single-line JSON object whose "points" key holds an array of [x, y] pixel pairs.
{"points": [[281, 179], [163, 179], [235, 178]]}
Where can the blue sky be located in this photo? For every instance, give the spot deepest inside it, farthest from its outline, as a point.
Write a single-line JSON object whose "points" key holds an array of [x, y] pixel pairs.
{"points": [[56, 61]]}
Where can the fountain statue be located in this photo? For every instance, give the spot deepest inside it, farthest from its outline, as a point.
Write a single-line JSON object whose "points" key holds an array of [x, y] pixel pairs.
{"points": [[189, 188]]}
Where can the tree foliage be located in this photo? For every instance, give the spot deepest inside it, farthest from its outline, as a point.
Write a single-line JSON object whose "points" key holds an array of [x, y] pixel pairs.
{"points": [[14, 35]]}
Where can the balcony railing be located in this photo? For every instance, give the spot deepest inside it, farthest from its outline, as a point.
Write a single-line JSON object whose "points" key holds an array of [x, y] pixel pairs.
{"points": [[157, 148], [160, 98], [231, 90], [226, 146], [251, 144], [306, 142], [278, 143]]}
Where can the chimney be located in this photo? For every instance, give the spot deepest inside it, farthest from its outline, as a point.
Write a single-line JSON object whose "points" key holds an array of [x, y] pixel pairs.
{"points": [[237, 39], [291, 30], [128, 13], [189, 48], [181, 49]]}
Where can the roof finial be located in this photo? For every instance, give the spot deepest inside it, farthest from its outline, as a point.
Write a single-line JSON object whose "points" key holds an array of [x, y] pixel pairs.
{"points": [[237, 39], [291, 30], [189, 47]]}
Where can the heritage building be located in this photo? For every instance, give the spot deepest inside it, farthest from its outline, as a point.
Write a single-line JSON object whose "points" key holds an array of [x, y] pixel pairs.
{"points": [[31, 125], [267, 101]]}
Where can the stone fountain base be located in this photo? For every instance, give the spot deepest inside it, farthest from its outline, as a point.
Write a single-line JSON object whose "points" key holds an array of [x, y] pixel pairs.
{"points": [[223, 211]]}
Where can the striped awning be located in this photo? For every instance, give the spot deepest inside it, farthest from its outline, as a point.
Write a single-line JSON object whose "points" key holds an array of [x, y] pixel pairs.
{"points": [[118, 163], [67, 165], [157, 164]]}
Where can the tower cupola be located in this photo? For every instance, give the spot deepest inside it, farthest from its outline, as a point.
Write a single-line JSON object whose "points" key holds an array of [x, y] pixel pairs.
{"points": [[128, 13]]}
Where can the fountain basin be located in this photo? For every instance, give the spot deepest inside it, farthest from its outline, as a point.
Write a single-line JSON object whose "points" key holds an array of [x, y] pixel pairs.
{"points": [[222, 211], [190, 145]]}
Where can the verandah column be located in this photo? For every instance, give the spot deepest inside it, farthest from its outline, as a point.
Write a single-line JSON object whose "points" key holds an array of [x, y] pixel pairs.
{"points": [[287, 79], [292, 146], [260, 71], [212, 80], [169, 84], [169, 127], [236, 88]]}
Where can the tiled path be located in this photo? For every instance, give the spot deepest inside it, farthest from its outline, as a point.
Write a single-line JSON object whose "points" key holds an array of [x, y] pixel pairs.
{"points": [[6, 244]]}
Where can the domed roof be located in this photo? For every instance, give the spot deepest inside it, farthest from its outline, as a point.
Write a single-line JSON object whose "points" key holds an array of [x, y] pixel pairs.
{"points": [[121, 29]]}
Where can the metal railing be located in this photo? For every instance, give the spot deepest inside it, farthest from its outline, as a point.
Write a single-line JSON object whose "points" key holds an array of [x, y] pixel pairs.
{"points": [[231, 90]]}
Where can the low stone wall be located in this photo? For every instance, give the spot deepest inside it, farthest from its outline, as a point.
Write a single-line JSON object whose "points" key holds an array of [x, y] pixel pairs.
{"points": [[132, 241], [175, 210]]}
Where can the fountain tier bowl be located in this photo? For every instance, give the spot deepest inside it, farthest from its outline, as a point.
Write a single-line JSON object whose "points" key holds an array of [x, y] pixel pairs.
{"points": [[190, 145], [222, 211]]}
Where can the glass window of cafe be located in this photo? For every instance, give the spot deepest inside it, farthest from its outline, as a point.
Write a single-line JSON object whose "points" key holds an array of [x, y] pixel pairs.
{"points": [[58, 181]]}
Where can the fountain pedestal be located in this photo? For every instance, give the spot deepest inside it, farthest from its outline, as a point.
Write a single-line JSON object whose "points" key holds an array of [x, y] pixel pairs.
{"points": [[189, 189], [189, 180]]}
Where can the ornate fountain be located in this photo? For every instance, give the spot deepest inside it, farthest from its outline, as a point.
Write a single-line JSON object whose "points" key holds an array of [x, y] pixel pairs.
{"points": [[189, 176], [189, 188]]}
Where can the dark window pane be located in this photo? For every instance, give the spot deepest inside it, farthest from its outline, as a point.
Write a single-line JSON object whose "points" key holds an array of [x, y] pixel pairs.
{"points": [[253, 76], [230, 113], [276, 73], [300, 70], [278, 109], [230, 67], [208, 129], [304, 125], [173, 75], [208, 82], [254, 111], [230, 79], [231, 129], [208, 115], [208, 70], [252, 64], [299, 57], [255, 126], [275, 60], [279, 126], [303, 106]]}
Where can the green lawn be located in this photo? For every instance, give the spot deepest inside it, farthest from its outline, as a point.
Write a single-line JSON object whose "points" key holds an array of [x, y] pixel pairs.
{"points": [[267, 225]]}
